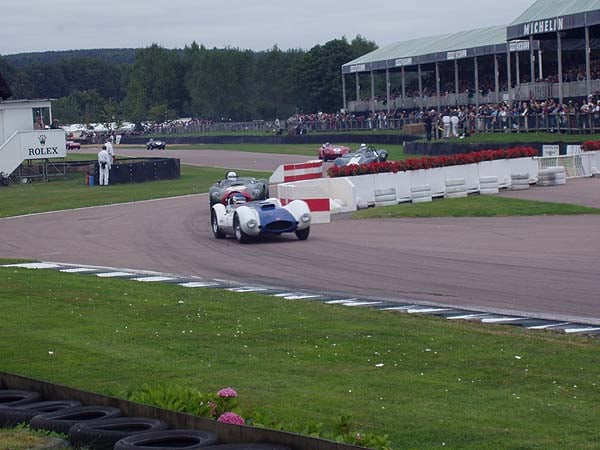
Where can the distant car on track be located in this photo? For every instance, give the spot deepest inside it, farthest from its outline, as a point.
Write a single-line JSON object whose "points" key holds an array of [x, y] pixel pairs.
{"points": [[156, 145], [329, 151], [364, 155], [72, 145], [246, 220], [251, 188]]}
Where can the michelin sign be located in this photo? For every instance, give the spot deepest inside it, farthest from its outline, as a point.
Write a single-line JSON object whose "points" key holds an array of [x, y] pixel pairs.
{"points": [[43, 144]]}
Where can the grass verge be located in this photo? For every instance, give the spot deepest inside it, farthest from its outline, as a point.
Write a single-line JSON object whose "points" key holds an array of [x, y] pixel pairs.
{"points": [[519, 138], [24, 438], [72, 192], [424, 381], [474, 206]]}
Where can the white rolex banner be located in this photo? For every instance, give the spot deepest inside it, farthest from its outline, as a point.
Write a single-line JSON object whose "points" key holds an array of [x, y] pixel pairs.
{"points": [[43, 144]]}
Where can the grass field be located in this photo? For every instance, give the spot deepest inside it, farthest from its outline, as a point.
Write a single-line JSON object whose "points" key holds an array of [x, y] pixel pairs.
{"points": [[513, 138], [72, 192], [426, 382], [474, 206]]}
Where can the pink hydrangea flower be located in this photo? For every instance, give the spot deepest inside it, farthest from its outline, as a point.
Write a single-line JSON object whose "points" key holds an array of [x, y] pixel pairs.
{"points": [[227, 392], [232, 418]]}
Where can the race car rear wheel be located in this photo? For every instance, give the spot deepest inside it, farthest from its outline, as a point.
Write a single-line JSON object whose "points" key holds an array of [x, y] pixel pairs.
{"points": [[303, 234], [239, 233], [214, 224]]}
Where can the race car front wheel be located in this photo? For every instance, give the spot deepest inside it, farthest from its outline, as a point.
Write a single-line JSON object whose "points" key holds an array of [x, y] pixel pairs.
{"points": [[216, 229], [303, 234], [239, 233]]}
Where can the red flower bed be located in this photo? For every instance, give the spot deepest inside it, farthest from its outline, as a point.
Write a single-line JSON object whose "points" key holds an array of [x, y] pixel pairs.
{"points": [[589, 146], [429, 162]]}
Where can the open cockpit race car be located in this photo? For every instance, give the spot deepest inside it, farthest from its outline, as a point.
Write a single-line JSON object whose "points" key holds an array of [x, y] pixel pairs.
{"points": [[329, 151], [250, 188], [248, 220], [364, 155]]}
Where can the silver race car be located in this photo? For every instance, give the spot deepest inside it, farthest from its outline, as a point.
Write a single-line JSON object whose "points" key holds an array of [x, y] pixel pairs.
{"points": [[246, 220], [251, 188], [364, 155]]}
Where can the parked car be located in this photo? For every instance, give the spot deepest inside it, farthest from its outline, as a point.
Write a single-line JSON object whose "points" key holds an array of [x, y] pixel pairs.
{"points": [[156, 145], [246, 220], [329, 151], [250, 188], [366, 154], [72, 145]]}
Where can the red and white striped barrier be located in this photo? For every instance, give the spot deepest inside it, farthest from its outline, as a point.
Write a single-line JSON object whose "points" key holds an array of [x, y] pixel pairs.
{"points": [[287, 173], [317, 202]]}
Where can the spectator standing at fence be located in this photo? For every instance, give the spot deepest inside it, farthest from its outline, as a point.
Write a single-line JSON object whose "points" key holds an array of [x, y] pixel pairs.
{"points": [[427, 120], [454, 123], [104, 166], [446, 123]]}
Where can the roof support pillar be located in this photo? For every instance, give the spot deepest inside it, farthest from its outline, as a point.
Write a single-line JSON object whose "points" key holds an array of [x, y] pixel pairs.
{"points": [[357, 88], [403, 84], [476, 64], [508, 71], [437, 85], [588, 75], [531, 59], [560, 71], [518, 68], [420, 87], [497, 78], [344, 92], [456, 80], [372, 92], [540, 63], [387, 89]]}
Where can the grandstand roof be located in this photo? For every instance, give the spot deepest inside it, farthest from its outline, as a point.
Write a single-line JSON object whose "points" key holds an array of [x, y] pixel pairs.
{"points": [[464, 44], [548, 16]]}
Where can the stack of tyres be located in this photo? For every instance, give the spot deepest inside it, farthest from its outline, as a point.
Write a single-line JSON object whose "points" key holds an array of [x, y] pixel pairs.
{"points": [[385, 197], [62, 421], [519, 181], [421, 193], [168, 439], [488, 185], [455, 188], [552, 176], [22, 414]]}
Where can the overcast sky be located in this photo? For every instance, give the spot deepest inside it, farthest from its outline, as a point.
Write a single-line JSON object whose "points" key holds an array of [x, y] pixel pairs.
{"points": [[42, 25]]}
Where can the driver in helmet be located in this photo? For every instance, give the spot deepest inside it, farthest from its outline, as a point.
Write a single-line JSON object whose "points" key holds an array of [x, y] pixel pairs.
{"points": [[232, 176], [236, 199]]}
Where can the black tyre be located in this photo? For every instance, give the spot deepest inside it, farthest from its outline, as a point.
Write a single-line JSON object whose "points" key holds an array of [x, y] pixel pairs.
{"points": [[303, 234], [168, 439], [9, 397], [214, 224], [247, 447], [24, 413], [61, 421], [239, 233], [105, 433]]}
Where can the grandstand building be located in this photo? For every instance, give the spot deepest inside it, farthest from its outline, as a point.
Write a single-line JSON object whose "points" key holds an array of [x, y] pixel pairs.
{"points": [[552, 50]]}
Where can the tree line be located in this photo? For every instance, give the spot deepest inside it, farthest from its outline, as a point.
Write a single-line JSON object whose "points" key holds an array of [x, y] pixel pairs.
{"points": [[162, 84]]}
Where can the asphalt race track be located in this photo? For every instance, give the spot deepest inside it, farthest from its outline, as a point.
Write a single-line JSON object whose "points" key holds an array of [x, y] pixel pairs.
{"points": [[546, 267]]}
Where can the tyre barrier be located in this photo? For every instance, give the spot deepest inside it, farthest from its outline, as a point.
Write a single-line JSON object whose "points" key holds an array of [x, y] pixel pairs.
{"points": [[455, 188], [488, 185], [103, 434], [12, 416], [10, 397], [552, 176], [61, 421], [168, 439], [385, 197], [519, 181], [421, 193]]}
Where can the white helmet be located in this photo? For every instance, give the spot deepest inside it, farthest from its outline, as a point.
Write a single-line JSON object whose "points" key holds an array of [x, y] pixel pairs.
{"points": [[231, 176]]}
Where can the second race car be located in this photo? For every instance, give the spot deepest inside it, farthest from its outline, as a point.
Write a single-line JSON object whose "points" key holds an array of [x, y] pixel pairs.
{"points": [[250, 188]]}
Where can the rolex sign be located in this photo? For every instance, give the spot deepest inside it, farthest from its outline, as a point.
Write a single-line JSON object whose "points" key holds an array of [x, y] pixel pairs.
{"points": [[43, 144]]}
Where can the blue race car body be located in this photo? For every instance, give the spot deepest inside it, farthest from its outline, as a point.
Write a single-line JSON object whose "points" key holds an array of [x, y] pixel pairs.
{"points": [[260, 218]]}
